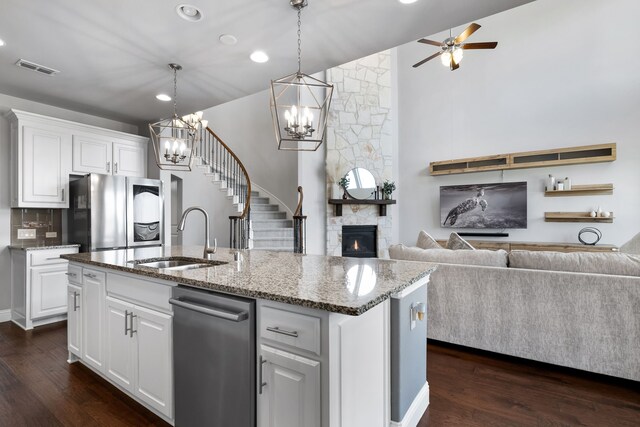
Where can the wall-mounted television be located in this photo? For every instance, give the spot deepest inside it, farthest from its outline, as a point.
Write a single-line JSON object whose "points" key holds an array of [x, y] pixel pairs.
{"points": [[484, 206]]}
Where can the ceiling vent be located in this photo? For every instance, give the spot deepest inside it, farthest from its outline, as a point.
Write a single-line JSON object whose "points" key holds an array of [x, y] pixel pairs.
{"points": [[36, 67]]}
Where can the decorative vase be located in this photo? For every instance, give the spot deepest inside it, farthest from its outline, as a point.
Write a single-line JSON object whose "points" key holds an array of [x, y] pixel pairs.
{"points": [[344, 194], [335, 191]]}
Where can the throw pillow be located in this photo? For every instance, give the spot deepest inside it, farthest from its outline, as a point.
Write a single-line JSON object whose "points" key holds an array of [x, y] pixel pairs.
{"points": [[632, 246], [425, 241], [456, 242]]}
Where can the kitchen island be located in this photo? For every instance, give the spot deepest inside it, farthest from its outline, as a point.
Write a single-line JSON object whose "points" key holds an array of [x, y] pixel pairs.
{"points": [[323, 329]]}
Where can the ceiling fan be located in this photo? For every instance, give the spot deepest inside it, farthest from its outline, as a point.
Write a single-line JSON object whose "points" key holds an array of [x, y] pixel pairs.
{"points": [[452, 48]]}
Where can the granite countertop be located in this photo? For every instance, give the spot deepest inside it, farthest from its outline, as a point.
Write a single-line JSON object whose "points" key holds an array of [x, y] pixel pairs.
{"points": [[41, 248], [341, 285]]}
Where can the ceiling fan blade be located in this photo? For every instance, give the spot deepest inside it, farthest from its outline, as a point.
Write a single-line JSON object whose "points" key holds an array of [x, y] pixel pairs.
{"points": [[466, 33], [432, 42], [481, 45], [435, 55]]}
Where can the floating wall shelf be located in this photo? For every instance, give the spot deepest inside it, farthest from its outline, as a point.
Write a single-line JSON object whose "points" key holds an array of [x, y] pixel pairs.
{"points": [[381, 203], [582, 190], [528, 159], [575, 217]]}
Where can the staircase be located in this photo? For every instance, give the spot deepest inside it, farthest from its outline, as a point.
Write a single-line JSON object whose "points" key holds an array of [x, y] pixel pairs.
{"points": [[259, 223], [270, 227]]}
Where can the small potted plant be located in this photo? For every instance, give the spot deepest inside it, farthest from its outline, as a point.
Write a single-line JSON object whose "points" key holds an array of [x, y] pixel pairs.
{"points": [[344, 183], [387, 188]]}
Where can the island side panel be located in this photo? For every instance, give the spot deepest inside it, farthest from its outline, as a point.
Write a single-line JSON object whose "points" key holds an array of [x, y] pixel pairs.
{"points": [[360, 368]]}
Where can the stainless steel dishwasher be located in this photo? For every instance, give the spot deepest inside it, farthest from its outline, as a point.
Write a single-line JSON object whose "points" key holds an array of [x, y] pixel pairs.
{"points": [[214, 359]]}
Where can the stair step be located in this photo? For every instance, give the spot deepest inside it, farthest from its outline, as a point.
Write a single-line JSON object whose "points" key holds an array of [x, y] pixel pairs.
{"points": [[264, 208], [273, 243], [266, 233], [260, 200], [274, 249], [255, 194], [271, 223], [258, 215]]}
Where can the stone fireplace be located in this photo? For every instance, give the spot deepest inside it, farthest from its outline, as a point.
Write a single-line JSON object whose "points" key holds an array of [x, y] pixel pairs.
{"points": [[360, 134], [360, 241]]}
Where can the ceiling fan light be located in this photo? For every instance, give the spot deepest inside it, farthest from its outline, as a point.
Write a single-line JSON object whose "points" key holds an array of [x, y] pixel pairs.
{"points": [[446, 58], [457, 55]]}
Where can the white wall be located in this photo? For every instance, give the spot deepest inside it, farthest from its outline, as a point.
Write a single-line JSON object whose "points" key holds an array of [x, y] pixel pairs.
{"points": [[7, 103], [564, 74]]}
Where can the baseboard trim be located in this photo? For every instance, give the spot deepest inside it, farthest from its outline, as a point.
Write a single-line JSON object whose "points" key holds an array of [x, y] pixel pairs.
{"points": [[5, 315], [416, 410]]}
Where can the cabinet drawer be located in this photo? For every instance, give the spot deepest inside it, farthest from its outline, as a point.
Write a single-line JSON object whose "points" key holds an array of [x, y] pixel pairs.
{"points": [[74, 273], [51, 256], [139, 291], [294, 329]]}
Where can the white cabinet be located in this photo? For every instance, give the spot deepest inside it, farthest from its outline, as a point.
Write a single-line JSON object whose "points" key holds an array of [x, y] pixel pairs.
{"points": [[129, 159], [290, 392], [38, 286], [48, 290], [120, 351], [139, 353], [40, 174], [93, 299], [109, 156], [154, 367], [74, 319], [45, 150], [91, 155]]}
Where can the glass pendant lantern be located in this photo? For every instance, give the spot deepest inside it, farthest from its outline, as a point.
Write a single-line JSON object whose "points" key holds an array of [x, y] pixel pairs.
{"points": [[173, 139]]}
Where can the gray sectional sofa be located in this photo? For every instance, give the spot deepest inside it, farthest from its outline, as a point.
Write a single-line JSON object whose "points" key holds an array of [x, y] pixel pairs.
{"points": [[580, 310]]}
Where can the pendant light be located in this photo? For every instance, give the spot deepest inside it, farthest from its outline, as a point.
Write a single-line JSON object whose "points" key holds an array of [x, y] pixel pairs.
{"points": [[173, 139], [300, 104]]}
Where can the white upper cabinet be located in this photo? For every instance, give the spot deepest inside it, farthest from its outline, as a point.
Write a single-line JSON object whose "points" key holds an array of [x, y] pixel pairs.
{"points": [[46, 150], [91, 155], [129, 159], [41, 158]]}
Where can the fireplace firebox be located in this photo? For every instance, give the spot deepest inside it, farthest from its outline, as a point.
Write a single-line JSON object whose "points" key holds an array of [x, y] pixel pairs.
{"points": [[359, 241]]}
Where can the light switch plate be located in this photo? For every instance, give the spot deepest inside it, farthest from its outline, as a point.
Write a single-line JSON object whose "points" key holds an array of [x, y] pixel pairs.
{"points": [[26, 233], [51, 234]]}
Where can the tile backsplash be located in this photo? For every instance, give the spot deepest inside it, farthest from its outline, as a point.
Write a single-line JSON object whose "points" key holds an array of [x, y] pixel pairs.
{"points": [[46, 223]]}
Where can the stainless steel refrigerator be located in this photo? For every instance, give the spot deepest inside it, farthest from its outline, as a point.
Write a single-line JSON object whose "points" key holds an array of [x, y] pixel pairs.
{"points": [[114, 212]]}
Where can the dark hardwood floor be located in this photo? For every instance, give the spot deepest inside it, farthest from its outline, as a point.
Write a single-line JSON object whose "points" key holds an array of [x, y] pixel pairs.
{"points": [[468, 388]]}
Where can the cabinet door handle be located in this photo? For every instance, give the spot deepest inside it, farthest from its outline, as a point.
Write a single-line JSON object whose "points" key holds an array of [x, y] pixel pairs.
{"points": [[52, 258], [75, 301], [262, 383], [115, 167], [277, 330], [131, 330], [126, 316], [108, 167], [71, 274], [90, 275], [63, 194]]}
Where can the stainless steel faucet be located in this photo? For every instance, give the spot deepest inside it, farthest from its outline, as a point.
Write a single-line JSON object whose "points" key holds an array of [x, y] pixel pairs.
{"points": [[208, 250]]}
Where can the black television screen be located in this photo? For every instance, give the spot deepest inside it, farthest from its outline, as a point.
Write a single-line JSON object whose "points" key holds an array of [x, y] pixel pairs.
{"points": [[496, 206]]}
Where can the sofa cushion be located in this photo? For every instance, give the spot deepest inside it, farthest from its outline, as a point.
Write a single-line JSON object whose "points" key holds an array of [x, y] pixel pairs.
{"points": [[632, 246], [581, 262], [425, 241], [476, 257], [456, 242]]}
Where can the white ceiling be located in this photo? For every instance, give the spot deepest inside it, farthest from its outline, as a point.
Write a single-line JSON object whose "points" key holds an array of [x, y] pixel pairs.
{"points": [[113, 54]]}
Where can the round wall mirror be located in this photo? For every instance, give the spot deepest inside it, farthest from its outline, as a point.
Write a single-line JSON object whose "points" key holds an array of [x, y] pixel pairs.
{"points": [[362, 184]]}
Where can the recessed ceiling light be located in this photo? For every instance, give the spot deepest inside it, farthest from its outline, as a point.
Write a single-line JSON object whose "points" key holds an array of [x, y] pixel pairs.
{"points": [[228, 39], [1, 42], [407, 1], [259, 56], [163, 97], [189, 12]]}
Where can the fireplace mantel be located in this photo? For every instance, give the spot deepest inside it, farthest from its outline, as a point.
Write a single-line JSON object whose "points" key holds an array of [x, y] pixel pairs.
{"points": [[381, 203]]}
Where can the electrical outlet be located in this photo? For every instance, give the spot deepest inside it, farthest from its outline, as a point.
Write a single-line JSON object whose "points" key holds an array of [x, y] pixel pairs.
{"points": [[26, 233], [51, 234]]}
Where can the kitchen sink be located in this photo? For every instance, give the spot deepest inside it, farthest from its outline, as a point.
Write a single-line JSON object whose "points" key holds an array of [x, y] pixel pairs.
{"points": [[176, 263]]}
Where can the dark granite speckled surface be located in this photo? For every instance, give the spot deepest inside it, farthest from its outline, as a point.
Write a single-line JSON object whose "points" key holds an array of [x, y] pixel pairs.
{"points": [[42, 248], [341, 285]]}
